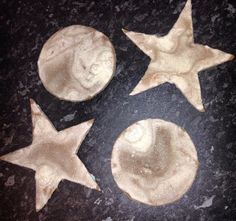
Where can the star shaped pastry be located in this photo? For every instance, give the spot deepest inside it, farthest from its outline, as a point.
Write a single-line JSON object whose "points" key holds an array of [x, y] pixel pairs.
{"points": [[175, 58], [52, 155]]}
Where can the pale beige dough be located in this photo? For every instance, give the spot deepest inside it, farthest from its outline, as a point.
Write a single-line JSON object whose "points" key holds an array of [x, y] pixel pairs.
{"points": [[53, 156], [76, 63], [176, 58], [154, 162]]}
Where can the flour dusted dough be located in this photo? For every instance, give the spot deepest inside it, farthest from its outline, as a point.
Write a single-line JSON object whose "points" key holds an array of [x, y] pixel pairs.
{"points": [[76, 63], [154, 162]]}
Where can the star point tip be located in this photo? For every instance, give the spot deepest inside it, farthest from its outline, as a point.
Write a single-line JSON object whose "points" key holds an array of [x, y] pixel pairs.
{"points": [[231, 57], [38, 206], [5, 158], [186, 13], [34, 105], [98, 188], [124, 30], [199, 107], [202, 110], [188, 3], [91, 121], [136, 90], [32, 101], [132, 93]]}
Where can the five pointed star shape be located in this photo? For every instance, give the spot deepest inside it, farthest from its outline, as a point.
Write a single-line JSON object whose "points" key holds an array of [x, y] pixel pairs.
{"points": [[175, 58], [52, 155]]}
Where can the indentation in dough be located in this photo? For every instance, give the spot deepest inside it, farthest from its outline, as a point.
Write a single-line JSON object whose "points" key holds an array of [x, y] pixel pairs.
{"points": [[45, 175], [140, 136]]}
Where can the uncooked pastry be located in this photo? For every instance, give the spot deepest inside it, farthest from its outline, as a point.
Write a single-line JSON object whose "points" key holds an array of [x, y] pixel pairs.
{"points": [[76, 63], [154, 162], [175, 58], [52, 155]]}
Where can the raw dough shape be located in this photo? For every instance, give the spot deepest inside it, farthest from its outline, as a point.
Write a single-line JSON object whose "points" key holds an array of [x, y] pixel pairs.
{"points": [[175, 58], [52, 155], [76, 63], [154, 162]]}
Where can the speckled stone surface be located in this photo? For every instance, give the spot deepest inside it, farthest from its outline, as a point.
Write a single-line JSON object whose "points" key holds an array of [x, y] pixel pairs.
{"points": [[26, 25]]}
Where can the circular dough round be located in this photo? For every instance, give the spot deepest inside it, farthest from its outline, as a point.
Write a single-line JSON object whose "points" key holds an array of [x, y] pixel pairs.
{"points": [[154, 161], [76, 63]]}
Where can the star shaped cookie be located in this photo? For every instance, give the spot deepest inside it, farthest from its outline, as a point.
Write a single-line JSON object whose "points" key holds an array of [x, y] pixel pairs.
{"points": [[52, 155], [176, 59]]}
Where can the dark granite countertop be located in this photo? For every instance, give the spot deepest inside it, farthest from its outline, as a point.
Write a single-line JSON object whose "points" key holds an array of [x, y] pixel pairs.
{"points": [[26, 25]]}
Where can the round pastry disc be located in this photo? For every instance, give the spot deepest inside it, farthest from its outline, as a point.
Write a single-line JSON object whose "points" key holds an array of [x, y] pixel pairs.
{"points": [[76, 63], [154, 161]]}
